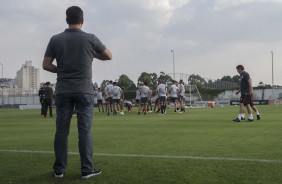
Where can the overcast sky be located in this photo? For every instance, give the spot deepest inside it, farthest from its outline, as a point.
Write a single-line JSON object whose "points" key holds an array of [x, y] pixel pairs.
{"points": [[209, 37]]}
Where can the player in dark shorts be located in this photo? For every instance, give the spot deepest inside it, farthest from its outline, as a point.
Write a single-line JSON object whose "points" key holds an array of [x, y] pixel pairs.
{"points": [[145, 94], [108, 98], [181, 96], [252, 106], [99, 99], [162, 93], [246, 89], [138, 99]]}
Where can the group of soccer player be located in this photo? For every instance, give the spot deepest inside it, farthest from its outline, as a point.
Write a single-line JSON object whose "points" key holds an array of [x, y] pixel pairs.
{"points": [[113, 96], [165, 93]]}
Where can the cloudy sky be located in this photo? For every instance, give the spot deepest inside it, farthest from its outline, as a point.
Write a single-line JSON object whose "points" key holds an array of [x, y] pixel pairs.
{"points": [[208, 37]]}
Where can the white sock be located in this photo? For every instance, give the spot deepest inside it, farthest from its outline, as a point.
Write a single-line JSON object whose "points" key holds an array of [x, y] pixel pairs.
{"points": [[251, 116], [257, 112], [243, 115], [239, 116]]}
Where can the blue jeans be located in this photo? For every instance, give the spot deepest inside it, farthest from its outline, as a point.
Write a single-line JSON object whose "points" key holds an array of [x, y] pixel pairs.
{"points": [[65, 104]]}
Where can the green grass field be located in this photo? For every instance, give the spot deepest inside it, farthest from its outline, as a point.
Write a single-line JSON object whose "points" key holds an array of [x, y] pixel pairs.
{"points": [[201, 146]]}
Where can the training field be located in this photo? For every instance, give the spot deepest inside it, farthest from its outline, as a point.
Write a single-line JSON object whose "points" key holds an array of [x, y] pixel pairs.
{"points": [[201, 146]]}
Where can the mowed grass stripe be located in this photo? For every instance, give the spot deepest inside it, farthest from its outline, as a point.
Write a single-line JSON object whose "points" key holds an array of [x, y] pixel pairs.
{"points": [[155, 156]]}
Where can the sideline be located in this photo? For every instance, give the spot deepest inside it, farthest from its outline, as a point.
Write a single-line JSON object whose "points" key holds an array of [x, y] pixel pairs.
{"points": [[155, 156]]}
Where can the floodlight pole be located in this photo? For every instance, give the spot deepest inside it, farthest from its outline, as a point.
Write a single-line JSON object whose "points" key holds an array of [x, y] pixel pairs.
{"points": [[173, 64], [272, 76]]}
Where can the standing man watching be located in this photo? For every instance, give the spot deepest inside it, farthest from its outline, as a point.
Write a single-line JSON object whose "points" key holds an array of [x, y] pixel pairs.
{"points": [[246, 89], [74, 51], [48, 99], [41, 96]]}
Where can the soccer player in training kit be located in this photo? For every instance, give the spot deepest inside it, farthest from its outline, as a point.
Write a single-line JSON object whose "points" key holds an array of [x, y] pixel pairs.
{"points": [[173, 91], [162, 92], [117, 93], [181, 96], [145, 95], [252, 106], [138, 98], [99, 96], [108, 97], [246, 89]]}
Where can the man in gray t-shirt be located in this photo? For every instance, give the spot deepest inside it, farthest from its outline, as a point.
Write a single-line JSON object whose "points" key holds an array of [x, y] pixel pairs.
{"points": [[74, 51]]}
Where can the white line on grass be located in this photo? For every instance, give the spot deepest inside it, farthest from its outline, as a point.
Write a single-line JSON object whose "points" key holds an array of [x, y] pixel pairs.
{"points": [[155, 156]]}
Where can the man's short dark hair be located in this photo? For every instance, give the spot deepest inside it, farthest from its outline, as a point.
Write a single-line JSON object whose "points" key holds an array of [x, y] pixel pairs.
{"points": [[241, 67], [74, 15]]}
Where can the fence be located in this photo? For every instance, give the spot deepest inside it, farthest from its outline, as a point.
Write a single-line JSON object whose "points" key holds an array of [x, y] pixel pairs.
{"points": [[10, 101]]}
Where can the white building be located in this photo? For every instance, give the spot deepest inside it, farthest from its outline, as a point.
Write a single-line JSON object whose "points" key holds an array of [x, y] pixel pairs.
{"points": [[27, 78]]}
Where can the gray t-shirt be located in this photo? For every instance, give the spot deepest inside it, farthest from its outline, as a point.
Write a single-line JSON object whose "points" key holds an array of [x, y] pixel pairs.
{"points": [[161, 89], [244, 83], [74, 51]]}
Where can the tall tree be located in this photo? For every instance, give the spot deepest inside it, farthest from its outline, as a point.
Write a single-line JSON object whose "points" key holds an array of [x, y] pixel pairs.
{"points": [[164, 77], [145, 77], [154, 78], [227, 78], [196, 80], [103, 84], [236, 79], [124, 82]]}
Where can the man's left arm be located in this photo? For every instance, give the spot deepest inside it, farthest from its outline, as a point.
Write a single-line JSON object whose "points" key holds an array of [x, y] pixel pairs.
{"points": [[48, 65]]}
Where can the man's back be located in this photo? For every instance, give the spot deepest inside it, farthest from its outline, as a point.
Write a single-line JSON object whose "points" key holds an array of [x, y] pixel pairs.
{"points": [[144, 91], [108, 89], [74, 51], [173, 90], [116, 92], [161, 89], [244, 83]]}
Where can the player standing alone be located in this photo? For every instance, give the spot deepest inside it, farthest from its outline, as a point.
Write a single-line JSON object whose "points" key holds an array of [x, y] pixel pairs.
{"points": [[246, 98]]}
